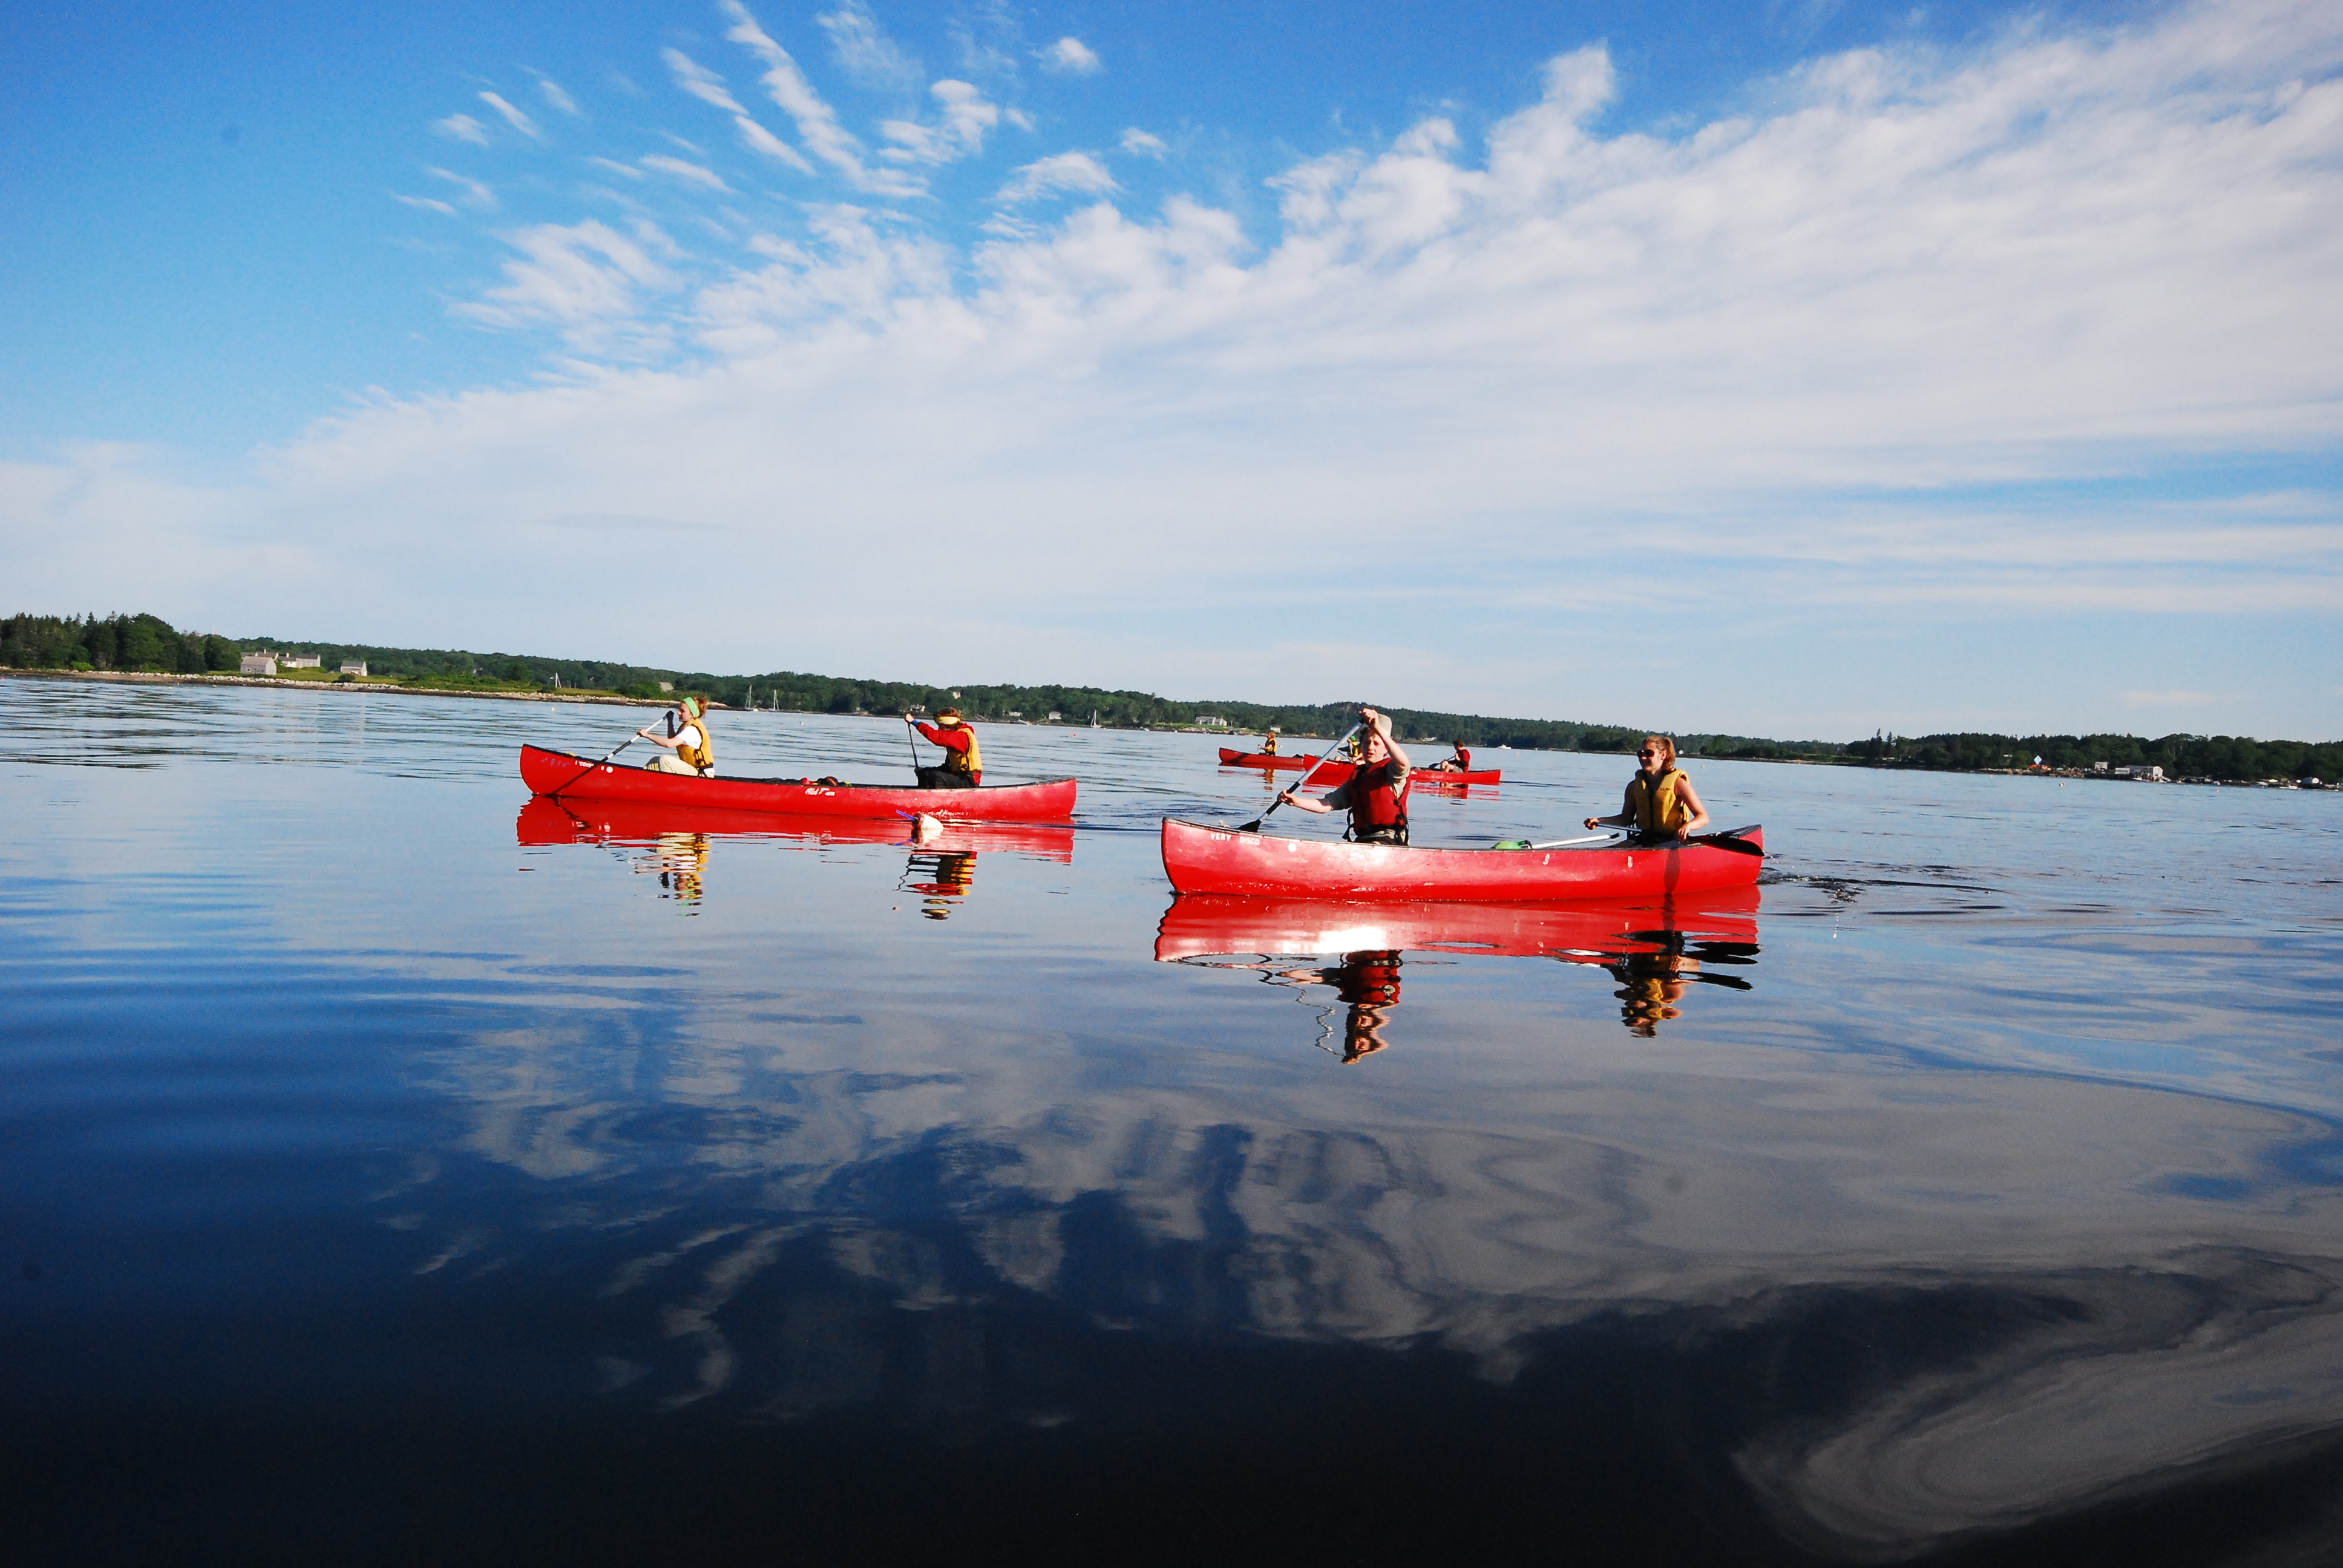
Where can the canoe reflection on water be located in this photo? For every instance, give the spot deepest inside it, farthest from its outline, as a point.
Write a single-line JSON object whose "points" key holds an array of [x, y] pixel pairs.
{"points": [[674, 842], [1656, 950]]}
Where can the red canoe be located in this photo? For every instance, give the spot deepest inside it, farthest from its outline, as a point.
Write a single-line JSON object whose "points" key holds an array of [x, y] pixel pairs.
{"points": [[1200, 925], [550, 819], [1335, 770], [577, 778], [1200, 858]]}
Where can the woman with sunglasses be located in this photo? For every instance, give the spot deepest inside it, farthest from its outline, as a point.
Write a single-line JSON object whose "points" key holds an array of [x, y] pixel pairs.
{"points": [[1661, 802]]}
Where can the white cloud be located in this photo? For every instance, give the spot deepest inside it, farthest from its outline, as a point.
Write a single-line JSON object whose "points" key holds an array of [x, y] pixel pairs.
{"points": [[708, 88], [964, 115], [1071, 57], [569, 275], [689, 174], [870, 56], [817, 122], [463, 128], [513, 116], [1079, 173], [474, 194], [1143, 144], [555, 95], [612, 166], [426, 203]]}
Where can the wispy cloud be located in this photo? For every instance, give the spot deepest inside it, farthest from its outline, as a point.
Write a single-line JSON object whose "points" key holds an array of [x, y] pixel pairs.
{"points": [[463, 128], [513, 116], [474, 194], [1078, 173], [1072, 58], [963, 117], [710, 88], [1143, 144], [689, 174], [554, 95], [568, 275], [817, 123], [426, 203], [862, 47]]}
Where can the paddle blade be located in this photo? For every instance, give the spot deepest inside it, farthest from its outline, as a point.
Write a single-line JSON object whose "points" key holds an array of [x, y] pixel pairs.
{"points": [[1727, 841]]}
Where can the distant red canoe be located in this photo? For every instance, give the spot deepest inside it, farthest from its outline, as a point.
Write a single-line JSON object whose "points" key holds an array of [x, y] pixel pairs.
{"points": [[1200, 925], [1335, 773], [564, 819], [1201, 859], [580, 779]]}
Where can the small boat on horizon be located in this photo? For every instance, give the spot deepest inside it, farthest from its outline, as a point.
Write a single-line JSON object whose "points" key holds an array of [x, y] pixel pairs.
{"points": [[1335, 771]]}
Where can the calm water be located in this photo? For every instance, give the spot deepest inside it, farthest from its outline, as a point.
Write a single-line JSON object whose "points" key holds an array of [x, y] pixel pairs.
{"points": [[389, 1172]]}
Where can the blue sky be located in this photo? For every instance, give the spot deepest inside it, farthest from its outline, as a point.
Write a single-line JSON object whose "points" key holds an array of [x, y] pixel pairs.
{"points": [[1802, 369]]}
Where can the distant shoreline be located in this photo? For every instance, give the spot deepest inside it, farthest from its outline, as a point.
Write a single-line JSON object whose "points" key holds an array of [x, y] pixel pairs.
{"points": [[163, 677]]}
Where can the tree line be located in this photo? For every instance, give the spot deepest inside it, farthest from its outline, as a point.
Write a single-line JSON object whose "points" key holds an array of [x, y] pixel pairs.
{"points": [[147, 642]]}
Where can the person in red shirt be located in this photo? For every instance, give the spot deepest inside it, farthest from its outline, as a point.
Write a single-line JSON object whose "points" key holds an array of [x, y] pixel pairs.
{"points": [[963, 765], [1376, 795]]}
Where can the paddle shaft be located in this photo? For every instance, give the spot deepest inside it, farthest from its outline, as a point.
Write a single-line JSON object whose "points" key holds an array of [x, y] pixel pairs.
{"points": [[581, 773], [1254, 826]]}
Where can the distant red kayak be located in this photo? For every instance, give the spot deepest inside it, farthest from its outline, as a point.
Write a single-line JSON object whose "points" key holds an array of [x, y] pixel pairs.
{"points": [[1336, 772], [1214, 924], [566, 819], [1200, 858], [578, 777]]}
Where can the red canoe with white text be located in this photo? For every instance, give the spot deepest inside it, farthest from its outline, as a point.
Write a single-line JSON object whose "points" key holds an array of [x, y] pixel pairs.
{"points": [[1203, 858], [1335, 771], [577, 778]]}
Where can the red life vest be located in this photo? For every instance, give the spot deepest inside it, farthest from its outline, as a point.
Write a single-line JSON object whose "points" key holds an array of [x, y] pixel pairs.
{"points": [[1373, 802]]}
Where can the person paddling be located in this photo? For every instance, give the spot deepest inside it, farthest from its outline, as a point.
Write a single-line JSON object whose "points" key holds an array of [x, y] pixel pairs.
{"points": [[1661, 803], [1376, 795], [1460, 763], [694, 752], [963, 767], [1269, 743]]}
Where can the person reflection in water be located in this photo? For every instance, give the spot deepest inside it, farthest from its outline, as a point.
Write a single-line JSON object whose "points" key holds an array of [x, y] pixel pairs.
{"points": [[680, 860], [1651, 984], [1369, 982], [950, 874]]}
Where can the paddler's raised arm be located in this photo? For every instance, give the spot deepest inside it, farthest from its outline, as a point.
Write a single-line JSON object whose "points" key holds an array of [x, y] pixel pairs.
{"points": [[1382, 725]]}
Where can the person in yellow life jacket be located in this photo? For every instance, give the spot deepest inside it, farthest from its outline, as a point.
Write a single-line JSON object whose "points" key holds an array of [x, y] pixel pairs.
{"points": [[1269, 744], [694, 752], [1376, 795], [963, 767], [1661, 803]]}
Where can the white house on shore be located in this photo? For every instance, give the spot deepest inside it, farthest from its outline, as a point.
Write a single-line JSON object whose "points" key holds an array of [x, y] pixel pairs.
{"points": [[257, 664], [302, 661], [354, 666]]}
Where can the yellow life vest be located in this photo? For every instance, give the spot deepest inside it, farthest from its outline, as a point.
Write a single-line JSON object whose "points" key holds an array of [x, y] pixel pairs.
{"points": [[702, 756], [971, 760], [1657, 807]]}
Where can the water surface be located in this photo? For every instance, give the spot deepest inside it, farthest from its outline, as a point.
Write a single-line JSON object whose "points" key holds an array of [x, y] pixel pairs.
{"points": [[395, 1169]]}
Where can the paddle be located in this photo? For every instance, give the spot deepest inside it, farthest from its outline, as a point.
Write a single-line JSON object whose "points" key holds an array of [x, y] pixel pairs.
{"points": [[911, 738], [581, 773], [1254, 826], [1731, 840]]}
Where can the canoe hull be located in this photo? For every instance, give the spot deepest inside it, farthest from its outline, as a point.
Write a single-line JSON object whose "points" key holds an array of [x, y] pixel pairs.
{"points": [[1202, 859], [1336, 772], [577, 778]]}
